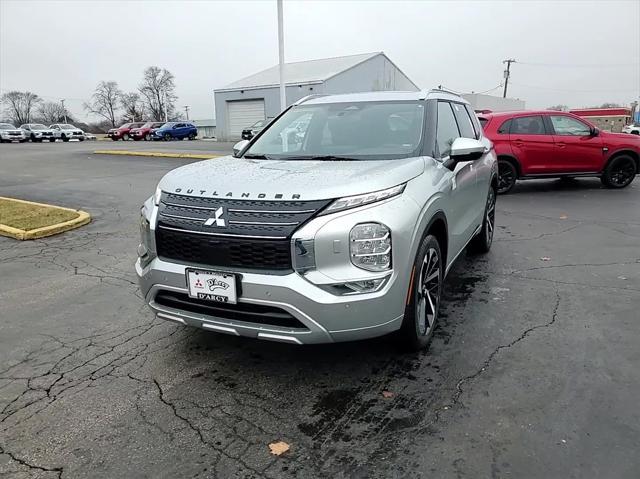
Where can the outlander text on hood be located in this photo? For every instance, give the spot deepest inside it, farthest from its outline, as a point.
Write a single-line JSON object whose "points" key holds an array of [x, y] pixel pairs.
{"points": [[338, 221]]}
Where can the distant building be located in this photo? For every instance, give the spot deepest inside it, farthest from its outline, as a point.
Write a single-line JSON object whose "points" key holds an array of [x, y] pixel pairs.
{"points": [[490, 103], [257, 97], [608, 119], [206, 128]]}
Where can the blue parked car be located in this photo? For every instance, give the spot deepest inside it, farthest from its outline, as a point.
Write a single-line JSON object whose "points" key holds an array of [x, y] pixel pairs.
{"points": [[175, 130]]}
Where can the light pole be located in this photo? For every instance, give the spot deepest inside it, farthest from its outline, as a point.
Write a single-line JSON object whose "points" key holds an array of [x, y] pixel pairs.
{"points": [[64, 110], [186, 110], [283, 99]]}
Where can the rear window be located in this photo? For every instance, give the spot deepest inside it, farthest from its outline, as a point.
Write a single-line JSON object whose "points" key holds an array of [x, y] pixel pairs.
{"points": [[483, 121], [504, 128]]}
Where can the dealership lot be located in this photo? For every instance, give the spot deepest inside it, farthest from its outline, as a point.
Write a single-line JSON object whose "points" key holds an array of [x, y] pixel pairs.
{"points": [[534, 370]]}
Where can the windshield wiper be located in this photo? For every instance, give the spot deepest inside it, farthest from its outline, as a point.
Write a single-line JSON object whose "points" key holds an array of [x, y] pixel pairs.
{"points": [[324, 158], [256, 157]]}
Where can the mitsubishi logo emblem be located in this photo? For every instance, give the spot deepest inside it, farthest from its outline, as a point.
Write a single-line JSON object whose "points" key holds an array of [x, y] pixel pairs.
{"points": [[217, 219]]}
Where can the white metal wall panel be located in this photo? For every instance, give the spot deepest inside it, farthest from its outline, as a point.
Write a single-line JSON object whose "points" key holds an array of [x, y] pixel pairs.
{"points": [[242, 114]]}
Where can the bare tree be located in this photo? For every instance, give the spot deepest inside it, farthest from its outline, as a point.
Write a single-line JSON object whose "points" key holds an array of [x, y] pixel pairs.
{"points": [[51, 112], [105, 101], [133, 107], [19, 106], [158, 92], [559, 108]]}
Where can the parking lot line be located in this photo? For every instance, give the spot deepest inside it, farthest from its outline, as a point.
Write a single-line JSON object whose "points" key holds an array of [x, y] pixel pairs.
{"points": [[197, 156]]}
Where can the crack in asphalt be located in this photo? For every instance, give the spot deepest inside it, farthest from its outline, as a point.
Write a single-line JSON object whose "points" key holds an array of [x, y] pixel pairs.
{"points": [[487, 362], [33, 467]]}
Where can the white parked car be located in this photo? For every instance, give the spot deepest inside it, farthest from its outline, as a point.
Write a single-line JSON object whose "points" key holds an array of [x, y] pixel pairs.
{"points": [[67, 132], [633, 128], [10, 133], [37, 132]]}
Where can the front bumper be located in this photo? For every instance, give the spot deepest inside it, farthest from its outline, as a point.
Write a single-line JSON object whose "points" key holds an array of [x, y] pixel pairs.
{"points": [[326, 318], [323, 315]]}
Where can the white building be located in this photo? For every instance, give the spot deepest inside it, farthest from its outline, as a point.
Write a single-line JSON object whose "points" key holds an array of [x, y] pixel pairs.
{"points": [[257, 97], [480, 101]]}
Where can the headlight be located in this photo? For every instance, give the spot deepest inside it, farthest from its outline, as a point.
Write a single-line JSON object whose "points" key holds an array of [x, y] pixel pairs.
{"points": [[361, 200], [370, 246], [157, 195]]}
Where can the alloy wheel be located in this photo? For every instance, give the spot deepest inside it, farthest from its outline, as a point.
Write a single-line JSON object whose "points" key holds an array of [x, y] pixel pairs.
{"points": [[506, 176], [623, 172], [490, 215], [428, 292]]}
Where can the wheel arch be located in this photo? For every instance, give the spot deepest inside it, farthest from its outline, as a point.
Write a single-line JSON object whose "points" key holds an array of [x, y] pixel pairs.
{"points": [[438, 227]]}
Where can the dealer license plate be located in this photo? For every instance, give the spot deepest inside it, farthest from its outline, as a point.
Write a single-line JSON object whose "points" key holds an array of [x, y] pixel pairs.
{"points": [[212, 286]]}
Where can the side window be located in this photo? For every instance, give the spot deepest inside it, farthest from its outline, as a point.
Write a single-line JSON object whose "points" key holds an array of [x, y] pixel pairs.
{"points": [[447, 129], [180, 125], [505, 127], [567, 126], [464, 122], [527, 125], [474, 120]]}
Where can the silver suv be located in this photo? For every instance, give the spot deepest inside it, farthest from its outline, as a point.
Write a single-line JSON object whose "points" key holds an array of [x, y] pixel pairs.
{"points": [[339, 221]]}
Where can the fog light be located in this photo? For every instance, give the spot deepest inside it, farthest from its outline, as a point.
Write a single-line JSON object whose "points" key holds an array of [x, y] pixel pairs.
{"points": [[366, 286], [370, 246]]}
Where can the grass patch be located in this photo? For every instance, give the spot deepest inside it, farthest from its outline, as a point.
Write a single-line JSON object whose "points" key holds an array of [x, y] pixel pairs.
{"points": [[29, 216]]}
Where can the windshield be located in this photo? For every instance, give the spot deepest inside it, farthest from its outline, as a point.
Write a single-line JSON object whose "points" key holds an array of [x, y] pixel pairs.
{"points": [[344, 131], [259, 124], [67, 127], [6, 126], [38, 126]]}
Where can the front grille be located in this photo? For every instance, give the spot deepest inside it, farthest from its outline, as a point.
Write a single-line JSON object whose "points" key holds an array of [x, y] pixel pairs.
{"points": [[244, 312], [223, 232], [47, 133]]}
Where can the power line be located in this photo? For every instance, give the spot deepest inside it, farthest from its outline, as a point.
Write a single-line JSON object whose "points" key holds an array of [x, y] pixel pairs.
{"points": [[574, 90], [578, 65]]}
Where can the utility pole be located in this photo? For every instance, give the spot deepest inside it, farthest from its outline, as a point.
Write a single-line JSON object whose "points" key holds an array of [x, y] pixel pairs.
{"points": [[64, 110], [165, 106], [186, 109], [283, 99], [507, 74]]}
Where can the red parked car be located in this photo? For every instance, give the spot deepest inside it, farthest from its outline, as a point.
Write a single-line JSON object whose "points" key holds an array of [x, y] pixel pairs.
{"points": [[554, 144], [122, 132], [144, 132]]}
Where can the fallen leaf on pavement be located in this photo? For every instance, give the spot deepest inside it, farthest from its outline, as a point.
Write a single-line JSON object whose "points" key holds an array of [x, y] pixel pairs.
{"points": [[545, 258], [278, 448], [387, 394]]}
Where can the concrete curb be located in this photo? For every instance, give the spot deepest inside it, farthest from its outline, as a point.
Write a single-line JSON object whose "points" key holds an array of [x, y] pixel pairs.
{"points": [[197, 156], [16, 233]]}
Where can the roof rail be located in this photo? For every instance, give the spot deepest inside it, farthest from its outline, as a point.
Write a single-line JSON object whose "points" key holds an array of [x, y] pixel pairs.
{"points": [[308, 97]]}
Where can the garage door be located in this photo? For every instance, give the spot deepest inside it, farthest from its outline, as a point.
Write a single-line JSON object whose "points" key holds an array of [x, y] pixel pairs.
{"points": [[243, 114]]}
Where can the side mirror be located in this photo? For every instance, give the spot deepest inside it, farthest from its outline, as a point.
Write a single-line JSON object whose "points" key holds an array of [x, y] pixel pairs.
{"points": [[238, 147], [595, 131], [465, 149]]}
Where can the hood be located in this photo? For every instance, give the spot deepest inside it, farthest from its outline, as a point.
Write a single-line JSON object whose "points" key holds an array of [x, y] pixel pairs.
{"points": [[230, 177]]}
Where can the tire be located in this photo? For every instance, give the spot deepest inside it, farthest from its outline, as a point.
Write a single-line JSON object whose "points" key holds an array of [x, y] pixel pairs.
{"points": [[634, 132], [620, 172], [125, 137], [52, 140], [81, 139], [147, 137], [192, 136], [507, 176], [64, 138], [421, 314], [114, 138], [166, 137], [33, 138], [482, 242]]}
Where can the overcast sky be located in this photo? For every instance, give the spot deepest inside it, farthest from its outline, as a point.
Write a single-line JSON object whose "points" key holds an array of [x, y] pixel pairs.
{"points": [[576, 53]]}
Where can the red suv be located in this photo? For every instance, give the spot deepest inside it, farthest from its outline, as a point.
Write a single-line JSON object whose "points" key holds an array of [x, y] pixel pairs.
{"points": [[122, 132], [144, 131], [553, 144]]}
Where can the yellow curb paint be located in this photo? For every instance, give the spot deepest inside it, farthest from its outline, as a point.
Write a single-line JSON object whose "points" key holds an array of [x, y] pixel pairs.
{"points": [[82, 219], [157, 154]]}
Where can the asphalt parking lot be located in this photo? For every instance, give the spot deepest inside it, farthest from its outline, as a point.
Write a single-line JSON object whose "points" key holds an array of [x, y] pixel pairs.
{"points": [[534, 371]]}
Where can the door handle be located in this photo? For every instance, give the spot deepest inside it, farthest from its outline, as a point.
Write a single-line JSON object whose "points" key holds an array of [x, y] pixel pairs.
{"points": [[518, 142]]}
